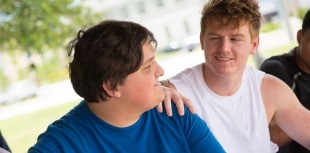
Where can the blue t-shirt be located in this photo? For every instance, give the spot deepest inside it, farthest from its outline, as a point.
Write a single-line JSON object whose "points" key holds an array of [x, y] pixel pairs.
{"points": [[82, 131]]}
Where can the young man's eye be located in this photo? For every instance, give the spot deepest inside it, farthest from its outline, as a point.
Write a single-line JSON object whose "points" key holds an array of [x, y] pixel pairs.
{"points": [[147, 67], [213, 39], [235, 39]]}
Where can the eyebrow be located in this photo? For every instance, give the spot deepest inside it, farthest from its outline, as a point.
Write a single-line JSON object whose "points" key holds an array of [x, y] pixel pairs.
{"points": [[213, 33], [149, 60], [237, 35], [232, 35]]}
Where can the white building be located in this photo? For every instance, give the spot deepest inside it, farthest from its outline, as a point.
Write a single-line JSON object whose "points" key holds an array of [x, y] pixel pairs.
{"points": [[169, 20], [174, 20]]}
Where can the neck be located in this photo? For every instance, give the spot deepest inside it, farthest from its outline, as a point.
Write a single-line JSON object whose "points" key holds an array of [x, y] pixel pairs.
{"points": [[222, 85], [301, 63], [114, 114]]}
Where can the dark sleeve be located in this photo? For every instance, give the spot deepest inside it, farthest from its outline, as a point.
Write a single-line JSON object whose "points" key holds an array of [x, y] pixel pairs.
{"points": [[278, 69], [3, 143], [198, 135]]}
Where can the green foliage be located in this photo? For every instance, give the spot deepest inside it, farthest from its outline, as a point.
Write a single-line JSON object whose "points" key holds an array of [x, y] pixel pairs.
{"points": [[33, 26], [3, 82], [301, 12], [38, 26], [270, 26]]}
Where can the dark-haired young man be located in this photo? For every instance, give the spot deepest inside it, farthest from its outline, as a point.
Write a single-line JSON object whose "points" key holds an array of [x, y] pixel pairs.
{"points": [[114, 69]]}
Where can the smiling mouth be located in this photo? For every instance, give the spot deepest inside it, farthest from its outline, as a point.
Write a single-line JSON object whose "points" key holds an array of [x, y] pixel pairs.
{"points": [[223, 58]]}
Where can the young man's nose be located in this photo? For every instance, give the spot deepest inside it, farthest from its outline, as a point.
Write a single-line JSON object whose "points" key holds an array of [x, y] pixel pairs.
{"points": [[224, 45], [159, 71]]}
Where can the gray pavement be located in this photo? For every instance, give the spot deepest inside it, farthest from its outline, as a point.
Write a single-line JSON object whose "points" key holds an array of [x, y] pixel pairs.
{"points": [[48, 96]]}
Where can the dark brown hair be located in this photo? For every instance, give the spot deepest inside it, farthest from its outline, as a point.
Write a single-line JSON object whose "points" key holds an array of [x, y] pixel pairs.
{"points": [[306, 22], [105, 53]]}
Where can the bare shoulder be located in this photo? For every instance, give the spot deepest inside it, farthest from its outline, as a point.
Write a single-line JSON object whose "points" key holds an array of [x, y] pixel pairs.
{"points": [[272, 87], [278, 97], [276, 91]]}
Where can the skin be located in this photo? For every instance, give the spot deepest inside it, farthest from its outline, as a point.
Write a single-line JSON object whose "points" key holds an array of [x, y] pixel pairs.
{"points": [[303, 61], [178, 99], [303, 58], [126, 105], [226, 52]]}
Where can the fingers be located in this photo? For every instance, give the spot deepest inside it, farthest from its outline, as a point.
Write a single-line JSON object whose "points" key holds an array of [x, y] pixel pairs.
{"points": [[171, 95], [176, 97], [160, 107], [167, 103], [188, 104]]}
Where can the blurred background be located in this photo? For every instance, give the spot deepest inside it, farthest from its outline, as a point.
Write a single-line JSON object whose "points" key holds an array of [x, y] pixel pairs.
{"points": [[34, 85]]}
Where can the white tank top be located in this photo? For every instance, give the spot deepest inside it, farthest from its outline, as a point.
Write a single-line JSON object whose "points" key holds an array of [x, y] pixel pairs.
{"points": [[239, 121]]}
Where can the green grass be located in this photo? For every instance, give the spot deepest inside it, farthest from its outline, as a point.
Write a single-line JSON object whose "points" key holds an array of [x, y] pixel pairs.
{"points": [[21, 131], [270, 26]]}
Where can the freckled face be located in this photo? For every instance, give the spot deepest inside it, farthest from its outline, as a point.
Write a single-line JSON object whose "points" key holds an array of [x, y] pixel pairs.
{"points": [[227, 50], [142, 89]]}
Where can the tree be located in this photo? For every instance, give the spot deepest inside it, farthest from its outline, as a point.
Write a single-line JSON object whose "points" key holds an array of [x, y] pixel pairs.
{"points": [[36, 25]]}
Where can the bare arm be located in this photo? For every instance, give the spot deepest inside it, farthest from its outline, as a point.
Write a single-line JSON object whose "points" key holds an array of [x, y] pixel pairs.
{"points": [[178, 99], [283, 107], [277, 135]]}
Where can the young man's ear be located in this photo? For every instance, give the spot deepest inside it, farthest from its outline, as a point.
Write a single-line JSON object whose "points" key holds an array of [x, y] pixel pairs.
{"points": [[299, 36], [201, 41], [255, 44], [110, 91]]}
